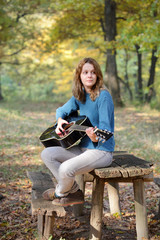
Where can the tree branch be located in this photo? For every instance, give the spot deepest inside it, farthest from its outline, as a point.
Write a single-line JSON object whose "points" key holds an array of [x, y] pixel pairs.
{"points": [[122, 81], [20, 16], [121, 18], [9, 55], [103, 28], [13, 63]]}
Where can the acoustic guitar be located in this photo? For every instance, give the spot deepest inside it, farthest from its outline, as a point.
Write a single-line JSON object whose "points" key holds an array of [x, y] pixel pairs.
{"points": [[74, 132]]}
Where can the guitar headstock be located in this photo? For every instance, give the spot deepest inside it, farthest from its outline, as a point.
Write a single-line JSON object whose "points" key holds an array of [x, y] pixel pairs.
{"points": [[103, 135]]}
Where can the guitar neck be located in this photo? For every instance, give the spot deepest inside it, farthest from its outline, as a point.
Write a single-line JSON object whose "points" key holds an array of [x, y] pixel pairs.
{"points": [[103, 135], [78, 127]]}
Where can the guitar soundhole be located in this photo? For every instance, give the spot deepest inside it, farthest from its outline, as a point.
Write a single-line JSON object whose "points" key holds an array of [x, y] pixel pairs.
{"points": [[67, 126], [67, 130]]}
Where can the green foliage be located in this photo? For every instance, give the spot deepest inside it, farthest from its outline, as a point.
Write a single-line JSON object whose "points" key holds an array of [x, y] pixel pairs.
{"points": [[76, 20], [141, 25], [50, 38], [50, 238], [33, 92], [155, 103]]}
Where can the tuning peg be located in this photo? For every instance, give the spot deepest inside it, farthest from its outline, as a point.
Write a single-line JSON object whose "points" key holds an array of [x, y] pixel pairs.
{"points": [[107, 132]]}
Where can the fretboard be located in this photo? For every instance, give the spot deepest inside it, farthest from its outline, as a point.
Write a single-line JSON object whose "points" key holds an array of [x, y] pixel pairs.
{"points": [[78, 128]]}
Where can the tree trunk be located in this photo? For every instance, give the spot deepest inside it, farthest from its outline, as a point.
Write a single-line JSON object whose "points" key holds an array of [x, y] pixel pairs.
{"points": [[150, 84], [111, 78], [139, 80], [126, 77], [1, 97]]}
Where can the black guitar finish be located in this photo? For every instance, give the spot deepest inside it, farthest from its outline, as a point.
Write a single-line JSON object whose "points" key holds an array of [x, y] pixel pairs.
{"points": [[49, 138]]}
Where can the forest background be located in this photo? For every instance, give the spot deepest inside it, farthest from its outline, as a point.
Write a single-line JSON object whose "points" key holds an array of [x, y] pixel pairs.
{"points": [[41, 43]]}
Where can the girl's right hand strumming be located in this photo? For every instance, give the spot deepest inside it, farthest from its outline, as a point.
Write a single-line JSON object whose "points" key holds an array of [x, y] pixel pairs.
{"points": [[59, 129]]}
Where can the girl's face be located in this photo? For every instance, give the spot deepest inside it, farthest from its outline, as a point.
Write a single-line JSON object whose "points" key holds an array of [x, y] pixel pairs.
{"points": [[88, 77]]}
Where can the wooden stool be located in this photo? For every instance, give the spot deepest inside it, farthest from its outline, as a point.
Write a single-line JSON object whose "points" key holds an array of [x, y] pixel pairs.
{"points": [[44, 210]]}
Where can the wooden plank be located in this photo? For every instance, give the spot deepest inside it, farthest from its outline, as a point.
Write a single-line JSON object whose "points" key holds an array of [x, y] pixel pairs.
{"points": [[123, 171], [146, 178], [119, 153], [134, 171], [40, 182], [140, 208], [133, 165], [129, 171], [109, 172], [128, 160], [39, 205], [125, 165]]}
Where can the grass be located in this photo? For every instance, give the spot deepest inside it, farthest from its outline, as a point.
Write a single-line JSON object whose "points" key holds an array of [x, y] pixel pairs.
{"points": [[21, 123], [137, 130]]}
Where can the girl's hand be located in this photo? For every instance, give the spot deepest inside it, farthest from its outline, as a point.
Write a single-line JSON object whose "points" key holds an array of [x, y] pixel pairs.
{"points": [[91, 134], [59, 129]]}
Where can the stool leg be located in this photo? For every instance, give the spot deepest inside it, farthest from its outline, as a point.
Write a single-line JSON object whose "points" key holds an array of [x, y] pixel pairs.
{"points": [[97, 209], [78, 209], [40, 225], [48, 227], [113, 195], [140, 209], [157, 216]]}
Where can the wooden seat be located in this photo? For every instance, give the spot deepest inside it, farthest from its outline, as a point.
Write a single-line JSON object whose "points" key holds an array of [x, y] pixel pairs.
{"points": [[45, 210], [125, 168]]}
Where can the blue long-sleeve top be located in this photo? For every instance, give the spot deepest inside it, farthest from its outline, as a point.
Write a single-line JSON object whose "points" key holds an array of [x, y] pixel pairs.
{"points": [[100, 113]]}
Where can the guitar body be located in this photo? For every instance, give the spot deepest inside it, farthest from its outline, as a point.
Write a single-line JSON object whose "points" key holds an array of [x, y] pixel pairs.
{"points": [[49, 138]]}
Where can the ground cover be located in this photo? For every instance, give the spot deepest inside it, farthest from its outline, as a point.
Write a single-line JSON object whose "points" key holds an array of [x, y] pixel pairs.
{"points": [[137, 130]]}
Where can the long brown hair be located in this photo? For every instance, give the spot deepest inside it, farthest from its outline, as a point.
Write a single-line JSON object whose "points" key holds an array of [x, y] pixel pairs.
{"points": [[78, 89]]}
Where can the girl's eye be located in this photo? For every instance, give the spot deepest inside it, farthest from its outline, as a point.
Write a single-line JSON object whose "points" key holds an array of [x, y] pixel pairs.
{"points": [[86, 72]]}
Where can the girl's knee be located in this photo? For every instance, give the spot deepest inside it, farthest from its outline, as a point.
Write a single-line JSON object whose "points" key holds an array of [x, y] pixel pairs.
{"points": [[45, 154]]}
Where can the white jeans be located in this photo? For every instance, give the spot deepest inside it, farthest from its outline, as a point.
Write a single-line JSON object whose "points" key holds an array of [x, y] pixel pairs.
{"points": [[65, 164]]}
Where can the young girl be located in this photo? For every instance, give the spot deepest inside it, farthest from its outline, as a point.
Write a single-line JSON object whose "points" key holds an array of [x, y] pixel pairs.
{"points": [[93, 100]]}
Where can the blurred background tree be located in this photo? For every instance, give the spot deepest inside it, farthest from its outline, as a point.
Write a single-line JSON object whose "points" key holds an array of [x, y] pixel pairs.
{"points": [[42, 41]]}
